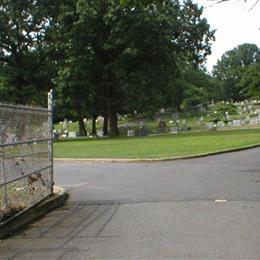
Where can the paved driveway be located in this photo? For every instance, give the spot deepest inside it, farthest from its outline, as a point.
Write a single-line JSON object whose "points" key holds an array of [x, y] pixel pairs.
{"points": [[207, 208]]}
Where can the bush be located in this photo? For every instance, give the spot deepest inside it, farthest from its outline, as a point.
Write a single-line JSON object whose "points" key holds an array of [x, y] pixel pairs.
{"points": [[221, 112]]}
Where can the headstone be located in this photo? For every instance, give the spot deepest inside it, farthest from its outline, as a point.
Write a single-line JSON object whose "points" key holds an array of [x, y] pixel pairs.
{"points": [[175, 115], [174, 130], [72, 135], [220, 124], [243, 122], [143, 131], [229, 124], [162, 126], [236, 123], [257, 111], [202, 109], [65, 124], [55, 135], [185, 128], [228, 117], [253, 121], [100, 134], [100, 120], [162, 111], [130, 133], [209, 126]]}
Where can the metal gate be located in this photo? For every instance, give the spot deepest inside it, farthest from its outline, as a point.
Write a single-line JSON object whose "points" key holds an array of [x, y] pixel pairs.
{"points": [[26, 157]]}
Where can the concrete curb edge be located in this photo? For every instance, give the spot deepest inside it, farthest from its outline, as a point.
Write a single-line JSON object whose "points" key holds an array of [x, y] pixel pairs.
{"points": [[34, 212], [116, 160]]}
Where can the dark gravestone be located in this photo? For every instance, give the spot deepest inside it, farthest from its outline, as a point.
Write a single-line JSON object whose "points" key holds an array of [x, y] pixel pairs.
{"points": [[162, 127], [143, 131]]}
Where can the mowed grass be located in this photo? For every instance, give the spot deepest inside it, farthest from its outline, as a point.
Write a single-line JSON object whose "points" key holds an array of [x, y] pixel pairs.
{"points": [[157, 146]]}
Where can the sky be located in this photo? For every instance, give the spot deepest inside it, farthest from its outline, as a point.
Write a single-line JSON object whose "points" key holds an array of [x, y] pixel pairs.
{"points": [[236, 23]]}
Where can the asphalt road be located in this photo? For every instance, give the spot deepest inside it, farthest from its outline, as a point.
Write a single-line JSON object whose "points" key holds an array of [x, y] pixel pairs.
{"points": [[207, 208]]}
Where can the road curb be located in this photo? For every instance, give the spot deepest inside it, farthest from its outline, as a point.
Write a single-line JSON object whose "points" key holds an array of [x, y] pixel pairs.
{"points": [[116, 160], [35, 212]]}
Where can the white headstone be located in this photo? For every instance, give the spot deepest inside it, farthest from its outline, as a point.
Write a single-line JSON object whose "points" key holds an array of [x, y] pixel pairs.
{"points": [[174, 130], [229, 124], [236, 123], [209, 126], [72, 135], [65, 123], [130, 132], [220, 124], [253, 121]]}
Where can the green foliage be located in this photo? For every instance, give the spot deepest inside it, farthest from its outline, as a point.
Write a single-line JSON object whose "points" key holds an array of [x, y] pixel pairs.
{"points": [[121, 56], [25, 65], [102, 57], [198, 89], [250, 82], [221, 112], [231, 70]]}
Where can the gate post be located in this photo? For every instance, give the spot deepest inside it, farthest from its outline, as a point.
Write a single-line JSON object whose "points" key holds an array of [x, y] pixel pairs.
{"points": [[5, 201], [50, 137]]}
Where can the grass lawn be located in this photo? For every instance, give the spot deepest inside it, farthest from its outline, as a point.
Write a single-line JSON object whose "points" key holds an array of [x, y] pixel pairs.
{"points": [[156, 146]]}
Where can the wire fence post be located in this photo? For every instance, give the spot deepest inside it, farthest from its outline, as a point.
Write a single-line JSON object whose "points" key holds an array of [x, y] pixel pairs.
{"points": [[50, 142], [4, 175]]}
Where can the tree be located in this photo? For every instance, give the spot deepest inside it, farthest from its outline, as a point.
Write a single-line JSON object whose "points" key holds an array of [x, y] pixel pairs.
{"points": [[221, 111], [25, 53], [129, 51], [231, 69], [250, 82], [199, 88]]}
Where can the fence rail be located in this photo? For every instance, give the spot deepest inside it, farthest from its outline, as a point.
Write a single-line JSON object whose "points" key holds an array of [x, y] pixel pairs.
{"points": [[26, 157]]}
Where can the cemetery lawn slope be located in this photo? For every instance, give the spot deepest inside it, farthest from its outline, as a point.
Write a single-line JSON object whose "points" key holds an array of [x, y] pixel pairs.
{"points": [[166, 146]]}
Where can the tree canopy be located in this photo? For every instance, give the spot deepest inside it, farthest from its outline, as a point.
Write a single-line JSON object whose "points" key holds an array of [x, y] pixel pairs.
{"points": [[25, 59], [125, 54], [235, 72], [103, 57]]}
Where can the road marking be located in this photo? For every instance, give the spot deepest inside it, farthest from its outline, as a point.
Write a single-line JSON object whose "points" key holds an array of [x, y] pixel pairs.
{"points": [[220, 201]]}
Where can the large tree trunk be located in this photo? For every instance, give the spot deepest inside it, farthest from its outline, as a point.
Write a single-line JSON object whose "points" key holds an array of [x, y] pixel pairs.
{"points": [[178, 107], [94, 127], [82, 128], [113, 130], [105, 125]]}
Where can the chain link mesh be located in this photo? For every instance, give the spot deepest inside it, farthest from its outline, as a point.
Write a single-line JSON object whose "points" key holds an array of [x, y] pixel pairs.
{"points": [[25, 158]]}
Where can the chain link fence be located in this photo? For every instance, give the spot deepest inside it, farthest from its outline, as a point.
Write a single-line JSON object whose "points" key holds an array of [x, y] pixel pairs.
{"points": [[26, 164]]}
